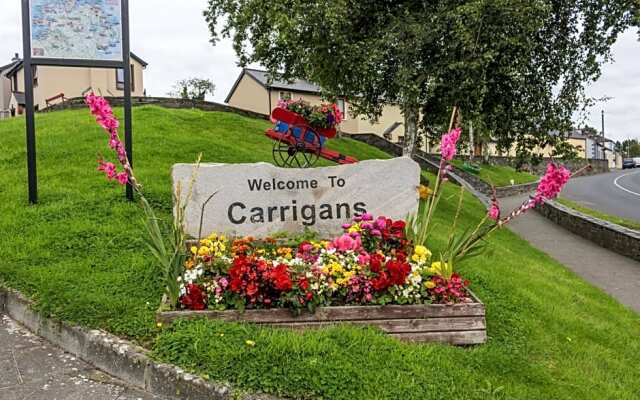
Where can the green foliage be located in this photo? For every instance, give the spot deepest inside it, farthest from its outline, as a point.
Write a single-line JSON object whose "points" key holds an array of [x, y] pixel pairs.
{"points": [[630, 148], [517, 68], [500, 175], [193, 89]]}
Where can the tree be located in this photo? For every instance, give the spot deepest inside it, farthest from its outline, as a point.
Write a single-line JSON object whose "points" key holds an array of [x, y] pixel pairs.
{"points": [[516, 67], [631, 148], [194, 89]]}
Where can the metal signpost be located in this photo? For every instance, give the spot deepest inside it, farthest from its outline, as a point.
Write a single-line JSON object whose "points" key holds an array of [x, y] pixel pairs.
{"points": [[40, 56]]}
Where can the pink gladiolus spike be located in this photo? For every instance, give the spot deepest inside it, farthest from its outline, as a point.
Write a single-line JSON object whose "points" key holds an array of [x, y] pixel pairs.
{"points": [[551, 183], [122, 178], [448, 144], [494, 211]]}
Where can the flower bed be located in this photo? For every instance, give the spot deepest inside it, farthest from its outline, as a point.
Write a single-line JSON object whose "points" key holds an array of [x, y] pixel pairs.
{"points": [[372, 274]]}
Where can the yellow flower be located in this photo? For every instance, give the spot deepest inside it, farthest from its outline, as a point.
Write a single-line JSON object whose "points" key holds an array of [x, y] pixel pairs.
{"points": [[194, 249], [355, 228], [159, 324], [422, 251], [250, 343], [420, 254], [429, 284], [424, 192], [437, 267], [189, 264], [203, 251]]}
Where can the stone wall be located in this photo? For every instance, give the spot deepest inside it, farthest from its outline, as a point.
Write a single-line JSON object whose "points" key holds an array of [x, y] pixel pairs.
{"points": [[597, 166], [614, 237], [78, 102]]}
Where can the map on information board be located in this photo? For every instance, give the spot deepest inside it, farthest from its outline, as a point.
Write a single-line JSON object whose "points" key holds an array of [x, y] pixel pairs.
{"points": [[76, 29]]}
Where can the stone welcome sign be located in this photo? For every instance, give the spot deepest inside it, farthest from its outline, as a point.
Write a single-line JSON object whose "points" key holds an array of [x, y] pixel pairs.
{"points": [[261, 199]]}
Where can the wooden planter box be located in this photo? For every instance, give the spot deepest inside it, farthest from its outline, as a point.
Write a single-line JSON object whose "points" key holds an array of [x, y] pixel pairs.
{"points": [[458, 324]]}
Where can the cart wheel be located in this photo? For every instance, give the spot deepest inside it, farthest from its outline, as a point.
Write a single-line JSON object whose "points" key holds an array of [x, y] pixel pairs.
{"points": [[289, 152]]}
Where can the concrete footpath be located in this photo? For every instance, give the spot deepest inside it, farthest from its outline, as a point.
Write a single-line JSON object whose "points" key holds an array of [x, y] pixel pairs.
{"points": [[33, 369], [615, 274]]}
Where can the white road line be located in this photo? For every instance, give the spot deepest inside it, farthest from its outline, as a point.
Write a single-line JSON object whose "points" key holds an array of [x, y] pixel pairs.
{"points": [[615, 182]]}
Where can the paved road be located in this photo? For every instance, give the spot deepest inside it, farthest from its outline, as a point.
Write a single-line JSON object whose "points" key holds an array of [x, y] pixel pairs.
{"points": [[615, 274], [33, 369], [616, 193]]}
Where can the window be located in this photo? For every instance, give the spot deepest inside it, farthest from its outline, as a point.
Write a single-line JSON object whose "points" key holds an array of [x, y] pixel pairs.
{"points": [[342, 107], [120, 79], [34, 71], [284, 96], [15, 83]]}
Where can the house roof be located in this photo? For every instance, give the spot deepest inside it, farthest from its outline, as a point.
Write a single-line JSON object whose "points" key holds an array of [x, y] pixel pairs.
{"points": [[262, 77], [16, 65], [19, 98], [8, 66]]}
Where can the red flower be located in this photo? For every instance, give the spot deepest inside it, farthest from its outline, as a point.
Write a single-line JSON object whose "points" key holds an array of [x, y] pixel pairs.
{"points": [[281, 278], [303, 283], [194, 299], [375, 263], [381, 282], [399, 271]]}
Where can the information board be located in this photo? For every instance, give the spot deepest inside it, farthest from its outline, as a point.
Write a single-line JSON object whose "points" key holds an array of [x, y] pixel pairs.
{"points": [[76, 29]]}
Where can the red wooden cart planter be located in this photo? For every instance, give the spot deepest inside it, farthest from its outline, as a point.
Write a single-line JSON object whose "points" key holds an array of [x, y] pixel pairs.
{"points": [[299, 145], [458, 324]]}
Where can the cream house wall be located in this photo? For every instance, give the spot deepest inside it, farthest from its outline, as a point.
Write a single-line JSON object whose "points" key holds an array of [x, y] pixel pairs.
{"points": [[73, 82], [580, 145], [250, 95], [5, 96]]}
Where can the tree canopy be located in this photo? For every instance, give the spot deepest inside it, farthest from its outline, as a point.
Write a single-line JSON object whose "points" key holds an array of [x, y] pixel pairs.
{"points": [[516, 68]]}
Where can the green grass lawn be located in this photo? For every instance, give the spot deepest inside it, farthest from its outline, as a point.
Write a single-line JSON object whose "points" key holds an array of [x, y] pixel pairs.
{"points": [[501, 175], [628, 223], [81, 256]]}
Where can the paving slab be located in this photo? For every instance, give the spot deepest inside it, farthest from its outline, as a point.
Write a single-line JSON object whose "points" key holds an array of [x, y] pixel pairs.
{"points": [[33, 369], [617, 275]]}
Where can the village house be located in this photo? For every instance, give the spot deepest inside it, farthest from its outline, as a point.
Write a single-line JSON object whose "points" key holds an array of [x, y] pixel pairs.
{"points": [[252, 91], [52, 85]]}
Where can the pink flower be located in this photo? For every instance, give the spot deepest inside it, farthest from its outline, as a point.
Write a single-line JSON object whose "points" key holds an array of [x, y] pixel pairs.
{"points": [[364, 258], [494, 211], [346, 243], [108, 168], [551, 183], [448, 144], [122, 178]]}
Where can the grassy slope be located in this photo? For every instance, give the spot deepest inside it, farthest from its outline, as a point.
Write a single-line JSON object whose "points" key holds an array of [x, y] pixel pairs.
{"points": [[629, 223], [501, 175], [80, 255]]}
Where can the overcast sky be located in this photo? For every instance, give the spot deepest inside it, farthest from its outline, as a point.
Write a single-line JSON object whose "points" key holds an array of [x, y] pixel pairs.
{"points": [[173, 38]]}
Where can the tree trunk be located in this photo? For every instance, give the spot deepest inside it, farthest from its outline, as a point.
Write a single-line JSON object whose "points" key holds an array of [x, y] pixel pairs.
{"points": [[472, 151], [410, 130]]}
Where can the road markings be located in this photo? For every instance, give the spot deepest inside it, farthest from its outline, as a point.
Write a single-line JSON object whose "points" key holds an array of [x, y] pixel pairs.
{"points": [[615, 182]]}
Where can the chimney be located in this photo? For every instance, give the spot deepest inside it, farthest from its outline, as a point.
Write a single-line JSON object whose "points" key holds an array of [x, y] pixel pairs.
{"points": [[16, 57]]}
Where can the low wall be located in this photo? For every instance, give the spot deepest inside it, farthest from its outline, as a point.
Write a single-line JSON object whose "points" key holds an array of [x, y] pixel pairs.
{"points": [[78, 102], [597, 166], [606, 234]]}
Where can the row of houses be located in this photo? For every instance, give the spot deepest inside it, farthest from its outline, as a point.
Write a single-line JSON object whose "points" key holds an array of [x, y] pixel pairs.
{"points": [[252, 91], [52, 85]]}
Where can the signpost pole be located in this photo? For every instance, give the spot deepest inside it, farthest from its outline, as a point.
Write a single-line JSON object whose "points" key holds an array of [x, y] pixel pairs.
{"points": [[30, 109], [126, 49]]}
